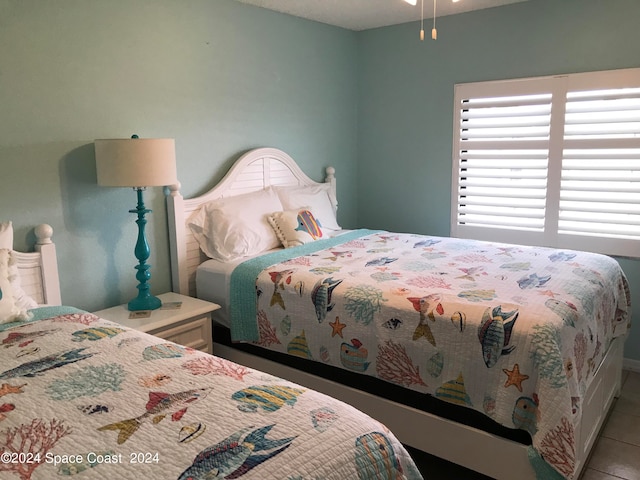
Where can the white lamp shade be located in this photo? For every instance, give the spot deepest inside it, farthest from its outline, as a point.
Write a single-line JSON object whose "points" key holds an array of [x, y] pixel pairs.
{"points": [[136, 162]]}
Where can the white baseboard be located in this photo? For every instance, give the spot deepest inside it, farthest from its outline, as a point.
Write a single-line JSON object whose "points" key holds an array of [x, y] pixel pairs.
{"points": [[631, 365]]}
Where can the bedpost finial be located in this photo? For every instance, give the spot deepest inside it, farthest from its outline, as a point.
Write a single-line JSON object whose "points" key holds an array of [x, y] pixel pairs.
{"points": [[174, 190], [43, 233], [331, 172]]}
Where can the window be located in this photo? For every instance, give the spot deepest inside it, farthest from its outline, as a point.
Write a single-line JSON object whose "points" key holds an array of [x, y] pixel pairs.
{"points": [[551, 161]]}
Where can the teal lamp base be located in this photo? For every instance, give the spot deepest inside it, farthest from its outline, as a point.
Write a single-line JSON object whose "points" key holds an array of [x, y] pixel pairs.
{"points": [[144, 300], [144, 303]]}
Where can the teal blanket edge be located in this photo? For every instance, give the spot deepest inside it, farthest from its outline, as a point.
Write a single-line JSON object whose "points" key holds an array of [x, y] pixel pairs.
{"points": [[41, 313], [242, 308]]}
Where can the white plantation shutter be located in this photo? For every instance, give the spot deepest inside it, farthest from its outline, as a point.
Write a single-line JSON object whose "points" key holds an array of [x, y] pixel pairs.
{"points": [[550, 161], [600, 184]]}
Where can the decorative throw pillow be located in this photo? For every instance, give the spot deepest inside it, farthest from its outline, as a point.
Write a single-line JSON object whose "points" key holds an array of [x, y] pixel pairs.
{"points": [[296, 227], [9, 309], [318, 198]]}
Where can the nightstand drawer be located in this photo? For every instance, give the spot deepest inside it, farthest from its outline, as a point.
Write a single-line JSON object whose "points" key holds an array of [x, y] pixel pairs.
{"points": [[194, 333], [185, 321]]}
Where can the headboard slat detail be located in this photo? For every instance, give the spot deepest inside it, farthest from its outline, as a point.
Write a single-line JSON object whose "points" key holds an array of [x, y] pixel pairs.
{"points": [[39, 270]]}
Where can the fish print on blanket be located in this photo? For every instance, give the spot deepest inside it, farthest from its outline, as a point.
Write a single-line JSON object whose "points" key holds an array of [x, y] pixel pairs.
{"points": [[561, 256], [567, 311], [22, 339], [337, 255], [269, 398], [158, 406], [392, 323], [321, 297], [97, 333], [27, 351], [279, 279], [526, 415], [5, 408], [533, 281], [376, 458], [426, 306], [435, 364], [93, 409], [589, 275], [380, 262], [236, 455], [494, 334], [323, 418], [354, 356], [38, 367], [427, 242], [165, 350]]}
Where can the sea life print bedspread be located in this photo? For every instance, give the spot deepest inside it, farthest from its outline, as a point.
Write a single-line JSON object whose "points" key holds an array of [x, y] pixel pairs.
{"points": [[514, 332], [86, 397]]}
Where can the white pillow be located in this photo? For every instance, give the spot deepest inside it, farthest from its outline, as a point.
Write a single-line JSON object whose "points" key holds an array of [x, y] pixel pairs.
{"points": [[236, 226], [10, 311], [6, 235], [315, 197], [296, 227]]}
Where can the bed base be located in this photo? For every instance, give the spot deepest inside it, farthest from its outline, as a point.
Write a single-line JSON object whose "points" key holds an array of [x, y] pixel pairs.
{"points": [[469, 447]]}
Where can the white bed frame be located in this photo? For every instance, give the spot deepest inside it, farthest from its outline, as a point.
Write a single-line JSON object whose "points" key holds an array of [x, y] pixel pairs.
{"points": [[39, 270], [475, 449]]}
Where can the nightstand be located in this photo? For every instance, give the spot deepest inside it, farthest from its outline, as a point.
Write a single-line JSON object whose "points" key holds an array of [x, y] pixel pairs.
{"points": [[189, 325]]}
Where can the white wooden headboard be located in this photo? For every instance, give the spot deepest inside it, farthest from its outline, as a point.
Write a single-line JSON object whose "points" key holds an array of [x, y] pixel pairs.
{"points": [[39, 270], [253, 171]]}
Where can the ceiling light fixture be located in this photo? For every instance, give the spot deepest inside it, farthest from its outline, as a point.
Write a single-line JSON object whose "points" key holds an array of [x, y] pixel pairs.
{"points": [[434, 32], [422, 21]]}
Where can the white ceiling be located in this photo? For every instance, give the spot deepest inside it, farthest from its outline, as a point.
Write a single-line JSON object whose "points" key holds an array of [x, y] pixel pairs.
{"points": [[365, 14]]}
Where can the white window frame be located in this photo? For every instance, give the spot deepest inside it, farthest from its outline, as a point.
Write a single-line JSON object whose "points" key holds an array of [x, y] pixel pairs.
{"points": [[556, 145]]}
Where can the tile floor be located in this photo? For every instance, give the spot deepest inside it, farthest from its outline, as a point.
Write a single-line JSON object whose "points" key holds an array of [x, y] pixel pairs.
{"points": [[615, 456]]}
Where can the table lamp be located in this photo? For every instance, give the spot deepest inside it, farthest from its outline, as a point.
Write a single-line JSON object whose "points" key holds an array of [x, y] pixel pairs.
{"points": [[138, 163]]}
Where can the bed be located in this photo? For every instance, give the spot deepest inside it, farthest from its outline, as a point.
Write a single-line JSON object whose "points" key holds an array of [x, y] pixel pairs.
{"points": [[83, 395], [529, 338]]}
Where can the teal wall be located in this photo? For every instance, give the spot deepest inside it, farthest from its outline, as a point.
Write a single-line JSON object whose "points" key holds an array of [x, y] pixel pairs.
{"points": [[406, 98], [222, 77], [219, 76]]}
